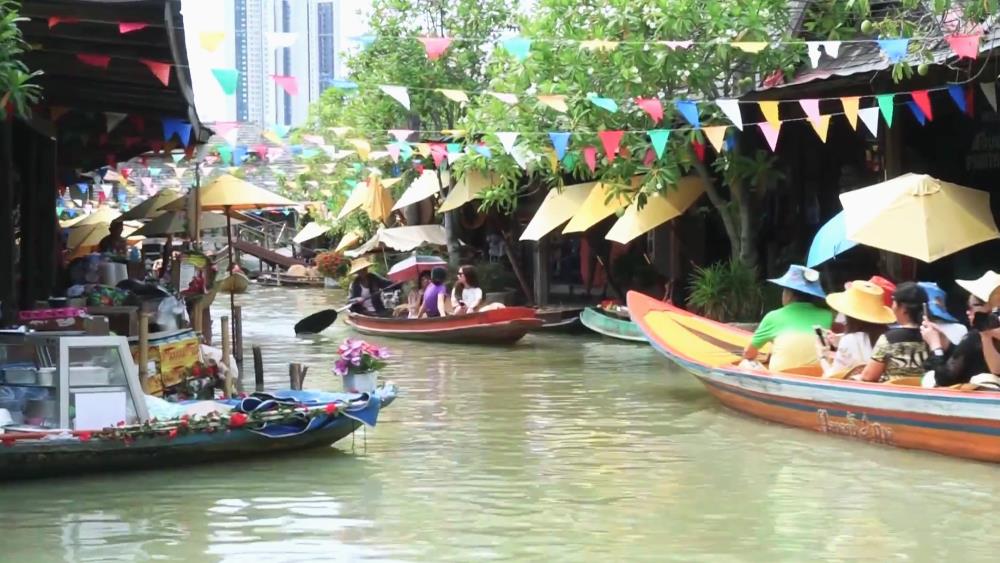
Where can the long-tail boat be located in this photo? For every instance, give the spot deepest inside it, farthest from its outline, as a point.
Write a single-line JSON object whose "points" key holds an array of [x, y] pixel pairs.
{"points": [[497, 326], [611, 324]]}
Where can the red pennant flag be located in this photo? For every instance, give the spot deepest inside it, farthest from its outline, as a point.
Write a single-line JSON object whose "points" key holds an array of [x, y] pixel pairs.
{"points": [[419, 167], [611, 140], [100, 197], [590, 157], [189, 151], [652, 106], [160, 70], [56, 20], [970, 99], [923, 101], [438, 152], [100, 61], [965, 46], [125, 172], [288, 83], [156, 145], [129, 27], [260, 150], [699, 149], [435, 46], [650, 158]]}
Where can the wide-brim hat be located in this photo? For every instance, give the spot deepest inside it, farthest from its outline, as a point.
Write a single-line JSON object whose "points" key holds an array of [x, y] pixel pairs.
{"points": [[984, 287], [359, 264], [862, 301], [937, 301], [801, 279]]}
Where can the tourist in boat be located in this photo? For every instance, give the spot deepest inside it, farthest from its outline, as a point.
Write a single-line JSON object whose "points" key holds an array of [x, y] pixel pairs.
{"points": [[901, 351], [953, 364], [435, 296], [937, 310], [466, 295], [790, 329], [366, 289], [415, 297], [865, 319]]}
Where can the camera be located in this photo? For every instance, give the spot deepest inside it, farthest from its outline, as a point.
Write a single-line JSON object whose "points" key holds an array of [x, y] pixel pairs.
{"points": [[986, 321]]}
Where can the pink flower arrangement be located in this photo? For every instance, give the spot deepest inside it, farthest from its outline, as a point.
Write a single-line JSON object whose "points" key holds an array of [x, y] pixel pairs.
{"points": [[358, 356]]}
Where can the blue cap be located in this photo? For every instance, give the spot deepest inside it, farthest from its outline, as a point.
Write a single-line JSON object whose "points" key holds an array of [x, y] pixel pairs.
{"points": [[937, 301], [801, 279]]}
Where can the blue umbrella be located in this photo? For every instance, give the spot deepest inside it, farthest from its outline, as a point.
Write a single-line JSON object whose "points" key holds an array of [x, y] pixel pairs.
{"points": [[830, 240]]}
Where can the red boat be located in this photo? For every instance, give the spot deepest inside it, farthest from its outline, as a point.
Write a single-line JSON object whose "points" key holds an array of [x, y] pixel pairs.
{"points": [[499, 326]]}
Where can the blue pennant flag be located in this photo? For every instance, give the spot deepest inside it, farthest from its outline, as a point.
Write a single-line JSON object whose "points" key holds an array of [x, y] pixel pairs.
{"points": [[604, 103], [281, 130], [405, 150], [689, 110], [483, 150], [917, 112], [177, 127], [957, 93], [518, 47], [365, 40], [309, 153], [560, 141], [239, 154], [296, 149], [894, 49], [344, 84]]}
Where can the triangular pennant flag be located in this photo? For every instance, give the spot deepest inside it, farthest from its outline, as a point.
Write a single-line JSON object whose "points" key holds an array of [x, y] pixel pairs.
{"points": [[923, 100], [129, 27], [677, 44], [990, 91], [100, 61], [598, 45], [886, 104], [274, 153], [560, 141], [113, 119], [438, 153], [970, 102], [260, 150], [177, 127], [831, 48], [716, 135], [154, 172], [811, 109], [147, 183], [233, 134], [484, 151], [281, 40], [965, 46], [106, 189], [731, 108], [553, 160], [210, 40], [424, 149], [851, 104], [770, 111], [814, 53], [651, 106], [659, 139], [689, 110], [957, 94], [770, 133], [394, 151], [340, 131], [435, 46], [454, 133], [398, 93], [180, 170], [455, 152], [917, 112], [751, 47], [160, 70], [611, 140], [518, 47], [177, 156], [507, 140], [365, 40], [509, 99], [604, 103], [650, 158], [314, 139], [699, 149], [590, 157], [554, 101], [228, 79], [822, 126], [869, 116], [289, 84], [401, 135], [894, 49], [454, 95], [239, 155], [570, 161], [362, 146]]}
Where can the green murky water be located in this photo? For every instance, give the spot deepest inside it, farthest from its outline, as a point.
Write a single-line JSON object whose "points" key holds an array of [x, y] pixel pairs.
{"points": [[558, 449]]}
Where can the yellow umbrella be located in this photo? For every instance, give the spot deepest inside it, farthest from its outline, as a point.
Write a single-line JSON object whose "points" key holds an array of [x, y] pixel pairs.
{"points": [[229, 192], [919, 216], [659, 209], [309, 232], [71, 222], [378, 203], [88, 236], [355, 200], [151, 207], [174, 222], [466, 190], [349, 240], [427, 185], [557, 208], [102, 215], [598, 206]]}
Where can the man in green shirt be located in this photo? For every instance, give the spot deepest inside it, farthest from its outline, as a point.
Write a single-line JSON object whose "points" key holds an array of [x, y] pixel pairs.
{"points": [[790, 328]]}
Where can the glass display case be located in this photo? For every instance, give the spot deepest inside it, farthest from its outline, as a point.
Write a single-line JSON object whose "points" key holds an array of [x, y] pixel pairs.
{"points": [[78, 382]]}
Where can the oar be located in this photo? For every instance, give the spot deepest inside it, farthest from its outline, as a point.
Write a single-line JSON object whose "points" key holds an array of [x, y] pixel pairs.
{"points": [[318, 322]]}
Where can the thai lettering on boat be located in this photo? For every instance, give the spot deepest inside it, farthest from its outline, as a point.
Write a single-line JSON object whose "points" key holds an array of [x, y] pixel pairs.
{"points": [[854, 427]]}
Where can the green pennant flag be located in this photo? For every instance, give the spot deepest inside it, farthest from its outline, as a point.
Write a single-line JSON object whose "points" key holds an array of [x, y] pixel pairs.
{"points": [[570, 160], [228, 79], [225, 153], [177, 157], [659, 138], [885, 103]]}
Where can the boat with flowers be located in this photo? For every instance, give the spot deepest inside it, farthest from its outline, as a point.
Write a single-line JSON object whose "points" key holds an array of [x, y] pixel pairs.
{"points": [[497, 326], [961, 421], [611, 321]]}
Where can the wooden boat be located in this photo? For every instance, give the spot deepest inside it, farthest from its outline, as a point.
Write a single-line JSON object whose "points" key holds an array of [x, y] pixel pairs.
{"points": [[280, 279], [560, 320], [235, 283], [611, 325], [499, 326], [950, 421]]}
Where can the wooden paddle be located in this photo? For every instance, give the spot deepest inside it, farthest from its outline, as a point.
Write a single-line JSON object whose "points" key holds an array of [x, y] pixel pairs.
{"points": [[318, 322]]}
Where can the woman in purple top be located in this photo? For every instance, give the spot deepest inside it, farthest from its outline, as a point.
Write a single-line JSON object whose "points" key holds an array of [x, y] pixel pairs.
{"points": [[434, 295]]}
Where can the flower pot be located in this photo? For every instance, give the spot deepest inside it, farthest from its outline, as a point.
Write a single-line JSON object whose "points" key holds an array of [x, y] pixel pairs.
{"points": [[360, 382]]}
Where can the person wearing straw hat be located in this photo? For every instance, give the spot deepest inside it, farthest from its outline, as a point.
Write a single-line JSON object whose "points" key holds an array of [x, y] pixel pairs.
{"points": [[790, 329], [866, 318], [976, 353], [366, 288]]}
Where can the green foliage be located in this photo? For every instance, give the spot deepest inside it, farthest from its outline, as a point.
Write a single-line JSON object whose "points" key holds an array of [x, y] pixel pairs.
{"points": [[15, 78], [495, 277], [727, 291]]}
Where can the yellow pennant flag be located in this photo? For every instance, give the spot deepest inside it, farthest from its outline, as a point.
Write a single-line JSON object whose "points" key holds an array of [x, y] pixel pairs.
{"points": [[851, 110], [752, 47], [455, 133], [716, 135], [454, 95], [424, 149], [554, 101], [509, 99], [821, 126], [340, 131], [363, 147], [553, 159], [211, 40], [770, 111], [599, 45], [273, 137]]}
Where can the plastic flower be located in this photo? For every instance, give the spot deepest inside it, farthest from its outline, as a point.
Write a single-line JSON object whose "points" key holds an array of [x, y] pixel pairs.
{"points": [[340, 367]]}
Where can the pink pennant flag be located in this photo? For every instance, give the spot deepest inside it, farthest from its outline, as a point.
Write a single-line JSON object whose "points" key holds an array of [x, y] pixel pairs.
{"points": [[394, 151], [611, 140], [590, 157], [438, 152], [652, 106], [923, 101], [770, 133], [275, 153], [314, 139], [401, 135], [435, 46], [811, 108], [147, 183], [289, 84], [223, 128], [100, 61], [965, 46], [260, 150], [160, 70], [129, 27]]}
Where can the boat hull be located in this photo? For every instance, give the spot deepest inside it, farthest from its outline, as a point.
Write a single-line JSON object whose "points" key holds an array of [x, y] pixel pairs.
{"points": [[500, 326], [946, 421], [284, 280], [561, 321], [610, 326]]}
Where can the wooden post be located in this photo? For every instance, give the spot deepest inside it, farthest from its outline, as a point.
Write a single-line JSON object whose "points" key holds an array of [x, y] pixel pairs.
{"points": [[144, 352], [226, 351], [516, 266], [258, 369], [296, 376], [238, 336], [542, 272]]}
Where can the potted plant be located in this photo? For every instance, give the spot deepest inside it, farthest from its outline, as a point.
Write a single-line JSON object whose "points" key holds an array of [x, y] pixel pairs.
{"points": [[332, 266], [358, 364]]}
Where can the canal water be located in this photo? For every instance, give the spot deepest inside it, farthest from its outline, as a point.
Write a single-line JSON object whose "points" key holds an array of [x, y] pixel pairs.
{"points": [[558, 449]]}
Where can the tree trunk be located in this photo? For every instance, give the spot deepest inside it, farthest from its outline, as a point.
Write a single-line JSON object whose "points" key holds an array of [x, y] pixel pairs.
{"points": [[724, 208]]}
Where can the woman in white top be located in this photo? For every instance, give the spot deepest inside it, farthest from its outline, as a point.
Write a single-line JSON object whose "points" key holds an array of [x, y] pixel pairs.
{"points": [[466, 296], [866, 319]]}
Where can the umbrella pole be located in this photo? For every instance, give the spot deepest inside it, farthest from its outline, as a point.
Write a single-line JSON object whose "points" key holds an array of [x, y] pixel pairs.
{"points": [[232, 265]]}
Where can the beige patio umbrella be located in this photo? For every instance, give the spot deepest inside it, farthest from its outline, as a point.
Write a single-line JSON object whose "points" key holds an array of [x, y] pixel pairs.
{"points": [[152, 206], [402, 239], [104, 214], [174, 222], [557, 208], [658, 209]]}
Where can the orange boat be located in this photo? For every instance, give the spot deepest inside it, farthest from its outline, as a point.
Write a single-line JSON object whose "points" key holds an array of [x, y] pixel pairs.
{"points": [[950, 421], [499, 326]]}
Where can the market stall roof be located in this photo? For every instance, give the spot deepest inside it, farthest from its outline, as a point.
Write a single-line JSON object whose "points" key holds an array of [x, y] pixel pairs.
{"points": [[309, 232], [557, 208], [599, 205], [659, 209], [467, 189], [403, 239], [425, 186]]}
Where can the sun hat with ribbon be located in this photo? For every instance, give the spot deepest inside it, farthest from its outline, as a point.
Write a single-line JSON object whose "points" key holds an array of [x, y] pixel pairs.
{"points": [[937, 302], [862, 300], [358, 265], [801, 279], [984, 287]]}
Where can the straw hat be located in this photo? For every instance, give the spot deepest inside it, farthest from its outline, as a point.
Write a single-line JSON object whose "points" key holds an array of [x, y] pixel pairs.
{"points": [[862, 301], [984, 287], [358, 265]]}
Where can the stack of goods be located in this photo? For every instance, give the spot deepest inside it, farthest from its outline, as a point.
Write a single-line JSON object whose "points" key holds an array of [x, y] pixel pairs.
{"points": [[177, 370]]}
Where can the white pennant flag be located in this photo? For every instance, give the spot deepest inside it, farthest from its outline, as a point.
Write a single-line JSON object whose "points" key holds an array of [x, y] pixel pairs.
{"points": [[114, 119], [106, 188], [507, 139], [990, 91], [509, 99], [278, 40], [732, 110], [231, 137], [522, 156], [869, 116], [832, 49], [401, 135], [397, 93]]}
